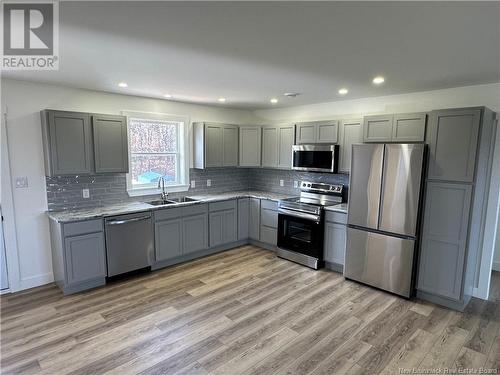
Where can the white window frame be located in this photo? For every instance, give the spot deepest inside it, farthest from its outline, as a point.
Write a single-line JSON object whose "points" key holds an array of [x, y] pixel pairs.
{"points": [[183, 151]]}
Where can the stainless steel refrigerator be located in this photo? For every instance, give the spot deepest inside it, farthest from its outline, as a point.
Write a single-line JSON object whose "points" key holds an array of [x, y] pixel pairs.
{"points": [[383, 217]]}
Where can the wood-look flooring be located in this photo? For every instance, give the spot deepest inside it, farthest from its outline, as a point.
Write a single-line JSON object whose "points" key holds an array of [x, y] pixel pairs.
{"points": [[240, 312]]}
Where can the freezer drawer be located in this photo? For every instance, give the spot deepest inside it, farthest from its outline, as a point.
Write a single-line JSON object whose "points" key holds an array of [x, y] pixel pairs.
{"points": [[382, 261], [129, 243]]}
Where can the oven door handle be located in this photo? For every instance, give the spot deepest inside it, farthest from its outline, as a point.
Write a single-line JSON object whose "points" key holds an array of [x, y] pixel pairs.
{"points": [[301, 215]]}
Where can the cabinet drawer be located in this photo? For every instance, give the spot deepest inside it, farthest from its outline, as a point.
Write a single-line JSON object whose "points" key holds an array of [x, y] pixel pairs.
{"points": [[195, 209], [224, 205], [269, 218], [269, 235], [168, 213], [83, 227], [336, 217], [269, 205]]}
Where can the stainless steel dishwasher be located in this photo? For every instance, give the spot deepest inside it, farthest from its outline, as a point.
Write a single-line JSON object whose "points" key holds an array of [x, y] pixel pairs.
{"points": [[129, 242]]}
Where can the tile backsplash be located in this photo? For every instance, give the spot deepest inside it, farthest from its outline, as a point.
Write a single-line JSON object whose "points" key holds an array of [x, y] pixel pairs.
{"points": [[65, 192]]}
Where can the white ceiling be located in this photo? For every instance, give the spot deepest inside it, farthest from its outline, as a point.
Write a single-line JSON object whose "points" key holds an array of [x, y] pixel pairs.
{"points": [[250, 52]]}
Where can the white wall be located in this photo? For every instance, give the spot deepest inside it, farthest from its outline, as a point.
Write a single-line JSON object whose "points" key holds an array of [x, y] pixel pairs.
{"points": [[23, 101], [480, 95]]}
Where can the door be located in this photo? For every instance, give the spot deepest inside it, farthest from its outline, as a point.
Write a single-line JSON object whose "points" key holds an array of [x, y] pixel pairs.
{"points": [[70, 143], [213, 145], [110, 144], [444, 238], [351, 133], [335, 241], [194, 233], [270, 147], [453, 138], [230, 143], [168, 239], [327, 132], [254, 219], [243, 218], [382, 261], [84, 257], [365, 185], [301, 235], [378, 128], [306, 132], [402, 178], [250, 146], [409, 127], [286, 141]]}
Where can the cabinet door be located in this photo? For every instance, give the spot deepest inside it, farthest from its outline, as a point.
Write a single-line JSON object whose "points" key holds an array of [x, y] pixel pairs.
{"points": [[286, 139], [335, 241], [444, 239], [409, 127], [195, 233], [243, 218], [350, 133], [230, 230], [270, 147], [216, 224], [110, 144], [327, 132], [168, 239], [378, 128], [230, 143], [453, 138], [254, 219], [69, 146], [250, 146], [213, 145], [84, 257], [306, 132]]}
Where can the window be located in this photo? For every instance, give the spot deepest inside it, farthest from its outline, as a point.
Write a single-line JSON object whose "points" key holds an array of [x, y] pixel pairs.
{"points": [[157, 150]]}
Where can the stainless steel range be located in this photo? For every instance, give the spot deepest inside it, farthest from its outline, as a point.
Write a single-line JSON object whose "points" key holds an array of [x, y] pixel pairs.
{"points": [[301, 223]]}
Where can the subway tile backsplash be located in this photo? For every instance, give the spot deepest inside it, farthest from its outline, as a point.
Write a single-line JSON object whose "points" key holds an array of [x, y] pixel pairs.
{"points": [[65, 192]]}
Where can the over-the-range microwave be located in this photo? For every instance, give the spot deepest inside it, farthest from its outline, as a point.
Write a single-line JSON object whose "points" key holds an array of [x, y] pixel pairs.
{"points": [[315, 158]]}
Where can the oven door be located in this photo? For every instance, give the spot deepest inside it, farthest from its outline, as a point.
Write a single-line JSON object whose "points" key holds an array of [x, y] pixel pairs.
{"points": [[301, 235]]}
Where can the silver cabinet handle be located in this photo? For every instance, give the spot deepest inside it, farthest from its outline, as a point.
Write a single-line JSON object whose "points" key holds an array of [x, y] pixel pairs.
{"points": [[126, 221], [301, 215]]}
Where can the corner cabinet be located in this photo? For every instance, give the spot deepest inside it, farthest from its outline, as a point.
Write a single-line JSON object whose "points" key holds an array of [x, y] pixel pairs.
{"points": [[317, 132], [408, 127], [277, 142], [84, 143], [250, 143], [215, 145]]}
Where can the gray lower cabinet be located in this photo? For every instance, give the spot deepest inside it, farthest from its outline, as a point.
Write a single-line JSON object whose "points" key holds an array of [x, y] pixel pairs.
{"points": [[223, 228], [351, 132], [243, 218], [444, 239], [269, 222], [110, 143], [335, 243], [195, 233], [67, 143], [254, 219], [168, 239]]}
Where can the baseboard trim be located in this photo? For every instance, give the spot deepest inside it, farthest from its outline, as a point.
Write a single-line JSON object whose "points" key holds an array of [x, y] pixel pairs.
{"points": [[334, 267], [496, 265], [37, 280], [454, 305]]}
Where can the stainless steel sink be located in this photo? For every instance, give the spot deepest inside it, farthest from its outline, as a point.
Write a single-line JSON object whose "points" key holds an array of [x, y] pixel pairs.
{"points": [[182, 199], [160, 202]]}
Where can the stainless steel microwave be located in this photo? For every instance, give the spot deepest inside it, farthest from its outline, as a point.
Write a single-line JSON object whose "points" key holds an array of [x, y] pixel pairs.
{"points": [[315, 158]]}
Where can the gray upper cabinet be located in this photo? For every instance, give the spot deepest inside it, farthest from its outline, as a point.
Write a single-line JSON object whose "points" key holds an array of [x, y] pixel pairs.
{"points": [[270, 146], [277, 142], [286, 139], [453, 139], [444, 239], [110, 143], [378, 128], [351, 132], [404, 127], [67, 143], [250, 146], [317, 132], [215, 145]]}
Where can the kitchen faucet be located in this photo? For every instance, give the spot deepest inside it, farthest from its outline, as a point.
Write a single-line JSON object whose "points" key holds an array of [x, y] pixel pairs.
{"points": [[164, 194]]}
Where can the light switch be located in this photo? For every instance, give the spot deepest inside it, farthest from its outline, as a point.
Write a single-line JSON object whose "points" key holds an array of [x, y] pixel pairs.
{"points": [[86, 193], [22, 182], [282, 183], [193, 184], [209, 182], [295, 184]]}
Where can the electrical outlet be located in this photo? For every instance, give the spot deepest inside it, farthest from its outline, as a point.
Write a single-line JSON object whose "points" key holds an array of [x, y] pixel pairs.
{"points": [[193, 184], [296, 184], [86, 193], [21, 182], [282, 183], [209, 182]]}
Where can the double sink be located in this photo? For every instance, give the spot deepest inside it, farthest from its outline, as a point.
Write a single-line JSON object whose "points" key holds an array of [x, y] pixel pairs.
{"points": [[161, 202]]}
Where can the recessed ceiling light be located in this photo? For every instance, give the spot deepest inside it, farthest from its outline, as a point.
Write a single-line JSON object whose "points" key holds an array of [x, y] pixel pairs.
{"points": [[274, 100], [378, 80], [222, 100], [343, 91], [168, 96], [123, 84]]}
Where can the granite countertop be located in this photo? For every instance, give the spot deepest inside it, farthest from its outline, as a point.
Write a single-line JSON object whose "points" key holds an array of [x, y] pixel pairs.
{"points": [[133, 207], [342, 207]]}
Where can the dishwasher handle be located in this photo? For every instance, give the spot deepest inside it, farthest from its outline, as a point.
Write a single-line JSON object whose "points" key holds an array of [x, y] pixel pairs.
{"points": [[126, 221]]}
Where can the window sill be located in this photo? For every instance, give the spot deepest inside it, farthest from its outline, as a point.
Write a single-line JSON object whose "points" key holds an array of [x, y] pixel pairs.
{"points": [[152, 191]]}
